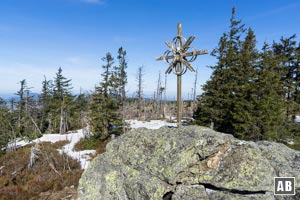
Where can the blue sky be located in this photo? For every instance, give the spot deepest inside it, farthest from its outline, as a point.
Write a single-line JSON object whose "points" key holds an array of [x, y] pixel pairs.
{"points": [[39, 36]]}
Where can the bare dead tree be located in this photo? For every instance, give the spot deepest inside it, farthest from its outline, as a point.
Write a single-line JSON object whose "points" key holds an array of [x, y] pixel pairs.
{"points": [[195, 89], [139, 92], [165, 97], [158, 86], [159, 93], [62, 125]]}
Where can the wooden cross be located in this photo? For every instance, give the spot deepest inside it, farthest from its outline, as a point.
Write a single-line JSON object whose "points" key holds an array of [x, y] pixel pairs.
{"points": [[180, 63]]}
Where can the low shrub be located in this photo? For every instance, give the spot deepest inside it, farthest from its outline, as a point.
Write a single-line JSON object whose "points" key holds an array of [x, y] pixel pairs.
{"points": [[56, 145], [92, 143], [52, 171]]}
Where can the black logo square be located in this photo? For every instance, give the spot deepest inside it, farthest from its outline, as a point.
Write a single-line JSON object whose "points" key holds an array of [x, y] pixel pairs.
{"points": [[284, 185]]}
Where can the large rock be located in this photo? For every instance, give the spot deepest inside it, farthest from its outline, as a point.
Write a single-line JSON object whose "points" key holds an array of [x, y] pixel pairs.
{"points": [[188, 163]]}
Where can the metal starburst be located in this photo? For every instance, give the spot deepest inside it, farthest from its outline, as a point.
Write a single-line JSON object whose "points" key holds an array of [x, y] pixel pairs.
{"points": [[179, 60]]}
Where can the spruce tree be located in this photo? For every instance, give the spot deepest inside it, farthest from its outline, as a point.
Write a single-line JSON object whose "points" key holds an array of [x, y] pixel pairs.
{"points": [[6, 128], [297, 76], [21, 106], [269, 102], [106, 84], [45, 102], [104, 107], [98, 119], [62, 100], [27, 113], [244, 94], [244, 122], [121, 73], [286, 54], [220, 92], [121, 82]]}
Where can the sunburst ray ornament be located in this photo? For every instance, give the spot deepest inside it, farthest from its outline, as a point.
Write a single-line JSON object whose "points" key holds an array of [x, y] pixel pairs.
{"points": [[179, 60]]}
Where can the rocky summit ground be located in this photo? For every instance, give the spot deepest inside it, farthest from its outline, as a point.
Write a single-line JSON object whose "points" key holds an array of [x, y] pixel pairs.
{"points": [[188, 163]]}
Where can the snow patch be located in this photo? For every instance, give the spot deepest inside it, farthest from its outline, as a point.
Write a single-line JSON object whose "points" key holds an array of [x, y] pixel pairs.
{"points": [[297, 119], [16, 144], [84, 156], [153, 124]]}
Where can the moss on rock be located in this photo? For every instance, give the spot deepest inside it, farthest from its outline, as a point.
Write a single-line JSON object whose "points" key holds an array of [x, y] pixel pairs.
{"points": [[190, 161]]}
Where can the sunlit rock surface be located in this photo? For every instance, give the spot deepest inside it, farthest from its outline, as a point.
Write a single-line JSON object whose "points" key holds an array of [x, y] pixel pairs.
{"points": [[188, 163]]}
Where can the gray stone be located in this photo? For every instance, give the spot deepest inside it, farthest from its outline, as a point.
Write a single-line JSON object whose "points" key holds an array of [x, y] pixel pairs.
{"points": [[187, 163]]}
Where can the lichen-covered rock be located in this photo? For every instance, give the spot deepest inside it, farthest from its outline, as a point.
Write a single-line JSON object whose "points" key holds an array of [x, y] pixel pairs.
{"points": [[187, 163]]}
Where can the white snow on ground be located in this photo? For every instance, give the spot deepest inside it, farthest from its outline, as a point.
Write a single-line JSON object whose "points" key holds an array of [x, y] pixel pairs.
{"points": [[153, 124], [52, 138], [74, 137], [84, 156], [17, 144], [297, 119]]}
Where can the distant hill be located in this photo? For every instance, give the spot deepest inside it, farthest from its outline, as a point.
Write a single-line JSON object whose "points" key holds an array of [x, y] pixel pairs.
{"points": [[8, 96]]}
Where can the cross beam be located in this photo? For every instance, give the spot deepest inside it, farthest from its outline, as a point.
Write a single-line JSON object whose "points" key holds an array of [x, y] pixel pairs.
{"points": [[180, 62]]}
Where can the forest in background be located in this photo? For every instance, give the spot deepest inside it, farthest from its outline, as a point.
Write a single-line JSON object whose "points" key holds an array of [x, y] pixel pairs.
{"points": [[252, 94], [57, 110]]}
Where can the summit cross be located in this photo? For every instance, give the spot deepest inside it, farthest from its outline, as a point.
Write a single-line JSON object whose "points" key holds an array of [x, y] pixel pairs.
{"points": [[180, 62]]}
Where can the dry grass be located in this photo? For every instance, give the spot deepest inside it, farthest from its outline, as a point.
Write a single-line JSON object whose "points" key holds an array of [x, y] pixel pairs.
{"points": [[91, 144], [51, 172], [57, 145]]}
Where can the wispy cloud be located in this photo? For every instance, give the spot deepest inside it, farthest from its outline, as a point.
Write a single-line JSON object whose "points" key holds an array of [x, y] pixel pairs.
{"points": [[93, 1]]}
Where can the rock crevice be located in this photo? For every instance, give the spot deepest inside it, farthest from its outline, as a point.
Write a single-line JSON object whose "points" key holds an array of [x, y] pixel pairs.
{"points": [[233, 191]]}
